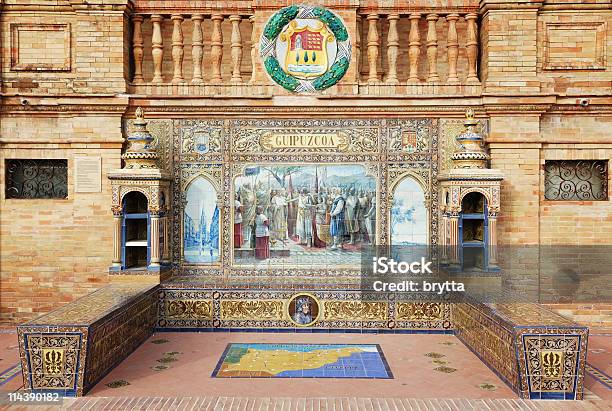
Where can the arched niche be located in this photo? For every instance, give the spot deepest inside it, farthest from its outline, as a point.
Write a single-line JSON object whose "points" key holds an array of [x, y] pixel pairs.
{"points": [[201, 222], [409, 216], [135, 253], [473, 231], [474, 202], [135, 202]]}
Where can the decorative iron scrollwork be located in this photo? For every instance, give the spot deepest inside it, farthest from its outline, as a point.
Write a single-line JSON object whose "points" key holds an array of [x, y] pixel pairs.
{"points": [[576, 180], [36, 178]]}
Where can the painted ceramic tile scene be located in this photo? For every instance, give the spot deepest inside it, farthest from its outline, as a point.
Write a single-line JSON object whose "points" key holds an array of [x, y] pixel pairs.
{"points": [[201, 223], [310, 215], [409, 219]]}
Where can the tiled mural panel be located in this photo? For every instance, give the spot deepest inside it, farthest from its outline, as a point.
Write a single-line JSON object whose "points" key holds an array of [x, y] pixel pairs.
{"points": [[286, 167]]}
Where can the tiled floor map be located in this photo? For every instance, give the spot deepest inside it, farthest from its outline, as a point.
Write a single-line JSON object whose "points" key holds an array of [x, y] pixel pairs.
{"points": [[302, 361]]}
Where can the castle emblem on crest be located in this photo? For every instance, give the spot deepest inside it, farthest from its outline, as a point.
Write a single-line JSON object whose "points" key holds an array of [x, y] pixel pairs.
{"points": [[305, 48], [306, 54]]}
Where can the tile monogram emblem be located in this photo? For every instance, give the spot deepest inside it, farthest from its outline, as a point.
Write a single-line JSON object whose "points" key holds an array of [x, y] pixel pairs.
{"points": [[53, 361], [552, 364]]}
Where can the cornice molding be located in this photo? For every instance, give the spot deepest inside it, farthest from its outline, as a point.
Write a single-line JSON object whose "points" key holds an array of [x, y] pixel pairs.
{"points": [[67, 6], [509, 5], [180, 109]]}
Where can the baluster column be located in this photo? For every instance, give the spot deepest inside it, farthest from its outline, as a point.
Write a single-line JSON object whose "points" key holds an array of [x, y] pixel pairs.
{"points": [[373, 45], [137, 47], [392, 48], [472, 47], [197, 48], [253, 49], [236, 49], [157, 48], [216, 47], [414, 43], [452, 46], [432, 48], [177, 48]]}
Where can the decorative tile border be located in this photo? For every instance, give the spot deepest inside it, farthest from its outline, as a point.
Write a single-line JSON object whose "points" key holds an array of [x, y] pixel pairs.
{"points": [[600, 376], [10, 373], [268, 310]]}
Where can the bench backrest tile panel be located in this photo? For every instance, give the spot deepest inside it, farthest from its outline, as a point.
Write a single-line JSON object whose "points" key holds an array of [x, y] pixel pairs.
{"points": [[210, 308]]}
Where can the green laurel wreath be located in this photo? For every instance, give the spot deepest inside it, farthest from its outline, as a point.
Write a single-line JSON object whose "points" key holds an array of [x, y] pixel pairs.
{"points": [[274, 27]]}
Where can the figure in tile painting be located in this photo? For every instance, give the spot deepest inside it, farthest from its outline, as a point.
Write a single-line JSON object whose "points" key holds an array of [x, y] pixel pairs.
{"points": [[278, 216], [304, 218], [237, 223], [262, 235], [247, 198], [302, 313], [336, 228]]}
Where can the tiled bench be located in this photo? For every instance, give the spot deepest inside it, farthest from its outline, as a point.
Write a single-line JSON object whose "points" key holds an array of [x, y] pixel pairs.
{"points": [[70, 349], [538, 353]]}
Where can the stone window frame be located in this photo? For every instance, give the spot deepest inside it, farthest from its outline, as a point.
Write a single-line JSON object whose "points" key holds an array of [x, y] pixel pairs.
{"points": [[601, 30], [63, 27]]}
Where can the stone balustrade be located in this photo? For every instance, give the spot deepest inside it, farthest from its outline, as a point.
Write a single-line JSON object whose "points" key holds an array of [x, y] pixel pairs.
{"points": [[186, 54], [417, 53], [217, 54]]}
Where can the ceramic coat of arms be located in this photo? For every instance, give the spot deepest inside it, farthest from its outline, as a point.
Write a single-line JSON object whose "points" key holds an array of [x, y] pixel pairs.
{"points": [[305, 48]]}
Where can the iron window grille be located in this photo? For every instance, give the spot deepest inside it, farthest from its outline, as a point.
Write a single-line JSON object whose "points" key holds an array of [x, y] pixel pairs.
{"points": [[36, 178], [576, 180]]}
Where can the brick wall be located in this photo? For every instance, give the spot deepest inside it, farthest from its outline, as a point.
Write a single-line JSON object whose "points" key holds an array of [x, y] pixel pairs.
{"points": [[54, 251], [511, 51], [60, 249], [527, 218], [572, 54], [47, 53], [515, 152]]}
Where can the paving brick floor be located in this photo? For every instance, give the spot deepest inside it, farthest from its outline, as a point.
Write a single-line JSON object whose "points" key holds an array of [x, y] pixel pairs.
{"points": [[187, 384], [315, 404]]}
